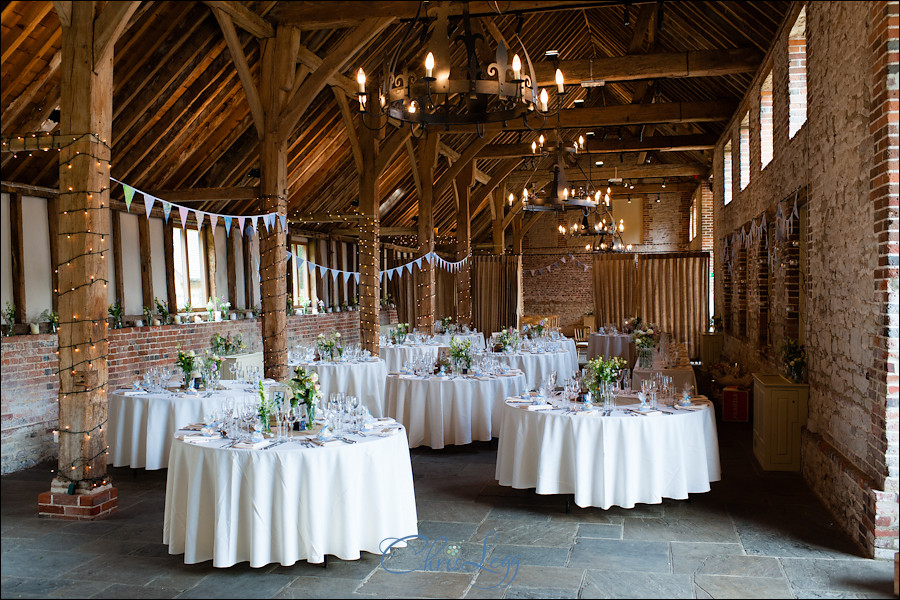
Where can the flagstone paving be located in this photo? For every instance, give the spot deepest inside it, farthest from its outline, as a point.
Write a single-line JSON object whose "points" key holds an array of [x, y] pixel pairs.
{"points": [[755, 535]]}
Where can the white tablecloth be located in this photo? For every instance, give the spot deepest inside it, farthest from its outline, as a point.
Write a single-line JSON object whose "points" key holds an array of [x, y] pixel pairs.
{"points": [[397, 356], [440, 411], [141, 427], [605, 345], [251, 359], [364, 379], [288, 503], [538, 366], [619, 460], [444, 339], [680, 377]]}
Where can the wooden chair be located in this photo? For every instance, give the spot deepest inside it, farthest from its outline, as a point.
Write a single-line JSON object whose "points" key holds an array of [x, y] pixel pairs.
{"points": [[581, 336]]}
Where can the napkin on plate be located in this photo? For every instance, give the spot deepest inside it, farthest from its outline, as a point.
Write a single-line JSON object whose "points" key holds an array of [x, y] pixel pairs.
{"points": [[539, 406], [197, 439], [251, 445], [131, 392]]}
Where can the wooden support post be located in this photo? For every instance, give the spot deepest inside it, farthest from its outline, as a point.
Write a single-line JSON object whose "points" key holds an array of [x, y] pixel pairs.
{"points": [[169, 253], [498, 232], [146, 264], [464, 182], [425, 291], [369, 244], [84, 227], [209, 239], [231, 265], [247, 252], [517, 234], [17, 257], [53, 226], [118, 269]]}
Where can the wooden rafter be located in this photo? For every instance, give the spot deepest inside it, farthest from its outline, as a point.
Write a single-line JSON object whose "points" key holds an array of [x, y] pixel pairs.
{"points": [[109, 26], [660, 143], [243, 69], [349, 127], [244, 18]]}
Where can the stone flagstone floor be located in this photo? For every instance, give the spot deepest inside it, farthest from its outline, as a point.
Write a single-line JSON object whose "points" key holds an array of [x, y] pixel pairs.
{"points": [[755, 535]]}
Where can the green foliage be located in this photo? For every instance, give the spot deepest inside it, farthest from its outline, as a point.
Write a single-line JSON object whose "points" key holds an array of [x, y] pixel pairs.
{"points": [[115, 311]]}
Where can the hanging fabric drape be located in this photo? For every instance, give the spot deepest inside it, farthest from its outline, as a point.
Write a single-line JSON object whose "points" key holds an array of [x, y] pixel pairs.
{"points": [[445, 294], [496, 292], [669, 290]]}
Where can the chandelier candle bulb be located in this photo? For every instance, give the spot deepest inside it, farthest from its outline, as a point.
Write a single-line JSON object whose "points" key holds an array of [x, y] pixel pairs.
{"points": [[560, 88], [429, 65], [517, 67], [361, 80], [543, 98], [534, 147]]}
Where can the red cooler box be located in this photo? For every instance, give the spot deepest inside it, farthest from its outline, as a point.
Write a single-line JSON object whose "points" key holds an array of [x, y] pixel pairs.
{"points": [[735, 404]]}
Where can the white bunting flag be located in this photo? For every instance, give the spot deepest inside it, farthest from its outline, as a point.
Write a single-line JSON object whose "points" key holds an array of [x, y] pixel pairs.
{"points": [[213, 219], [563, 259], [148, 204], [199, 216], [241, 224], [183, 212], [254, 219]]}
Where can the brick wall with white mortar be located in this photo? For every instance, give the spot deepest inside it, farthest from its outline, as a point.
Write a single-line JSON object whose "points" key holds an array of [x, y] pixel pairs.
{"points": [[31, 384], [848, 283]]}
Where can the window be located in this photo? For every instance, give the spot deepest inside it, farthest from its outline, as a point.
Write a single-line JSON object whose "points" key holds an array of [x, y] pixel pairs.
{"points": [[766, 130], [692, 225], [797, 74], [745, 150], [303, 290], [726, 173], [190, 270]]}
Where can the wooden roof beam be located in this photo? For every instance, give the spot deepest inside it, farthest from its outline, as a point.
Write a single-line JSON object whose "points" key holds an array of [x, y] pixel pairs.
{"points": [[660, 143], [701, 63], [244, 18], [627, 172], [207, 194], [453, 155], [606, 116], [111, 23], [307, 15]]}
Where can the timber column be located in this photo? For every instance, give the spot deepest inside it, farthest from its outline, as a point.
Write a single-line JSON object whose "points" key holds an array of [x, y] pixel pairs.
{"points": [[369, 241], [81, 488], [273, 255], [425, 289], [464, 182]]}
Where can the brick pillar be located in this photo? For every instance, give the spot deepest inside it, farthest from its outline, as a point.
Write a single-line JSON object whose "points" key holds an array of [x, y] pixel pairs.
{"points": [[884, 381]]}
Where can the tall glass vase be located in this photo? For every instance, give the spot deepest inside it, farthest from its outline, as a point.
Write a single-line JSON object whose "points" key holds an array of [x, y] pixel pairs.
{"points": [[645, 358]]}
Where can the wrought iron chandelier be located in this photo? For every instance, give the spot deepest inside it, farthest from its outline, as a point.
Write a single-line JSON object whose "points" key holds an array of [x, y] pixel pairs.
{"points": [[444, 94]]}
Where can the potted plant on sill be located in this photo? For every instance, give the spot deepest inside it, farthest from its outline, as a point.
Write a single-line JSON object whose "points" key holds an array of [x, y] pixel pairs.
{"points": [[163, 310], [52, 318], [148, 316], [115, 311]]}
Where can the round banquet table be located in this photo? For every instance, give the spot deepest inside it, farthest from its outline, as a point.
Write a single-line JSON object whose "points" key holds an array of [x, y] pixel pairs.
{"points": [[607, 346], [397, 355], [289, 502], [538, 366], [141, 426], [681, 376], [439, 411], [444, 339], [618, 460], [363, 378]]}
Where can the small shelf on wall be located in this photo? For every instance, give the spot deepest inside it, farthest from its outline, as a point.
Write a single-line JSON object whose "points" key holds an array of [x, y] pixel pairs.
{"points": [[780, 410]]}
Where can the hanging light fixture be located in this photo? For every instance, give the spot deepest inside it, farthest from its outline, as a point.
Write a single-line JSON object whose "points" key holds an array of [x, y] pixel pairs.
{"points": [[472, 93]]}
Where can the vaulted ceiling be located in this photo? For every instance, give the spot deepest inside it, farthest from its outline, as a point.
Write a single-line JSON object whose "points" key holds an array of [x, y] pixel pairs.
{"points": [[182, 119]]}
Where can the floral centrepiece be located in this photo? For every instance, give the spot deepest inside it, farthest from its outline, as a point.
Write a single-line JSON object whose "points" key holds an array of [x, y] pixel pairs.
{"points": [[187, 362], [305, 389], [461, 352], [793, 357], [266, 407], [215, 305], [509, 340], [644, 338], [398, 334], [632, 324], [225, 345], [602, 371], [328, 345]]}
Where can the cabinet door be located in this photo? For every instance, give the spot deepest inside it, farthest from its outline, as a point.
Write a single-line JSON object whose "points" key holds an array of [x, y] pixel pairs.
{"points": [[783, 435]]}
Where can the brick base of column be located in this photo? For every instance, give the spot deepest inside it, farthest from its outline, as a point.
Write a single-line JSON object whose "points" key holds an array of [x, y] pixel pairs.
{"points": [[99, 504]]}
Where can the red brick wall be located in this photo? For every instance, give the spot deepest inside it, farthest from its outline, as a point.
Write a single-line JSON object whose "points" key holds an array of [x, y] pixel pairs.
{"points": [[30, 384]]}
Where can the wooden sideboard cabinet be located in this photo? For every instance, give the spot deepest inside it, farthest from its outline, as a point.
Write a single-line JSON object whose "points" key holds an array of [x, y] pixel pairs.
{"points": [[711, 348], [780, 409]]}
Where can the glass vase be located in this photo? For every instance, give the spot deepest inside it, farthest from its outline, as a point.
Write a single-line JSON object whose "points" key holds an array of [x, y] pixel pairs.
{"points": [[310, 414], [645, 358]]}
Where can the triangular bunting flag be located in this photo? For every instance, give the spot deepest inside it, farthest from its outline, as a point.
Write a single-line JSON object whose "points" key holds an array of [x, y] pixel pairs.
{"points": [[254, 220], [283, 223], [167, 208], [148, 204], [312, 267], [334, 274], [347, 275], [199, 216], [563, 259], [409, 267], [356, 275], [389, 272], [213, 219], [227, 225], [129, 195], [419, 263], [183, 213], [241, 224], [289, 256]]}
